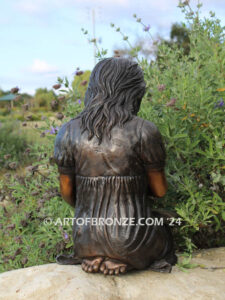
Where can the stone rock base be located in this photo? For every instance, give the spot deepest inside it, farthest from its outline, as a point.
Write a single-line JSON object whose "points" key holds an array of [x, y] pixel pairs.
{"points": [[55, 282]]}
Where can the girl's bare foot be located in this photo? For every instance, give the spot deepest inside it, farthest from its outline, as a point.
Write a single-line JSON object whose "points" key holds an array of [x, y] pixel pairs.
{"points": [[113, 267], [91, 265]]}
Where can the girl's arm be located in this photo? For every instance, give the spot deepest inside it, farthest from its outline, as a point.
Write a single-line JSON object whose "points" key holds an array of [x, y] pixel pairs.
{"points": [[157, 183], [68, 189]]}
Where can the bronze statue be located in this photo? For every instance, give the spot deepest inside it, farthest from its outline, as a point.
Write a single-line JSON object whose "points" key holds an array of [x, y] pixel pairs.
{"points": [[109, 161]]}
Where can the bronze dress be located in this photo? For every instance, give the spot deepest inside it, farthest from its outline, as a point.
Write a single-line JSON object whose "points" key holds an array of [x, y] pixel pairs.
{"points": [[111, 182]]}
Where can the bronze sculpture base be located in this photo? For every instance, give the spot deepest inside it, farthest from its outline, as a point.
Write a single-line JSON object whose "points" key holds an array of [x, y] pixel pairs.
{"points": [[109, 266]]}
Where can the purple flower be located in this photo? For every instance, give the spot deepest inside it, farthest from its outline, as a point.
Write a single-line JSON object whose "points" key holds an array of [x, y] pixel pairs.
{"points": [[146, 28], [53, 130], [220, 103], [161, 87], [79, 101], [65, 235]]}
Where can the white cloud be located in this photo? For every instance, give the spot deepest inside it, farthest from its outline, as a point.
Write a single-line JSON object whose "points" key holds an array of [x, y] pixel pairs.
{"points": [[36, 7], [40, 66], [30, 7]]}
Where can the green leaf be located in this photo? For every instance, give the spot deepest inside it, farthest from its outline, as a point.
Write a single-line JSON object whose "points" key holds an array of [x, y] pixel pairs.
{"points": [[223, 215]]}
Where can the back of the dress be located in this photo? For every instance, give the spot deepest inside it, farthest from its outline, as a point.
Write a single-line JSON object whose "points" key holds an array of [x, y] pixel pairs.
{"points": [[131, 150], [111, 184]]}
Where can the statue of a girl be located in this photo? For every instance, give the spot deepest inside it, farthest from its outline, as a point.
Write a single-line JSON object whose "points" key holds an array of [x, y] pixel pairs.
{"points": [[109, 160]]}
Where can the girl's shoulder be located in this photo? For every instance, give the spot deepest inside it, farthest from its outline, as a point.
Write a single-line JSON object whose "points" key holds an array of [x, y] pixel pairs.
{"points": [[146, 126]]}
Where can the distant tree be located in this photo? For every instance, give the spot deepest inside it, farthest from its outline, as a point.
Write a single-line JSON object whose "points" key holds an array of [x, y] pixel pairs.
{"points": [[2, 92], [26, 96], [179, 35], [43, 97], [4, 103]]}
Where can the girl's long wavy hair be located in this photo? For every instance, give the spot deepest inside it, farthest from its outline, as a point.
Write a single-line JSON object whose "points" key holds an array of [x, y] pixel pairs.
{"points": [[113, 96]]}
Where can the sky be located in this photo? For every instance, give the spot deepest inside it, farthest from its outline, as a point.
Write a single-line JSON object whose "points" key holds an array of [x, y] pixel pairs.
{"points": [[42, 39]]}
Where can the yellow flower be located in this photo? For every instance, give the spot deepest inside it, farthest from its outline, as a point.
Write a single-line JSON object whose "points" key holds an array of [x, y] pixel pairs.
{"points": [[221, 90], [184, 106], [184, 118], [192, 115]]}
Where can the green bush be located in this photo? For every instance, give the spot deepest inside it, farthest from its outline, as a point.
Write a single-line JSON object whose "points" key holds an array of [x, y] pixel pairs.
{"points": [[31, 197], [4, 112], [184, 99], [3, 118], [13, 143], [25, 239], [39, 109], [43, 98]]}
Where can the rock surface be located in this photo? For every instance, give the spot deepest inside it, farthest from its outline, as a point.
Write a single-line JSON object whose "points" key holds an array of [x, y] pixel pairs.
{"points": [[55, 282]]}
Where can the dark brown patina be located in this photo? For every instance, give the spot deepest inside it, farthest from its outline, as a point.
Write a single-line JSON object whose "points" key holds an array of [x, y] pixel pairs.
{"points": [[109, 161]]}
